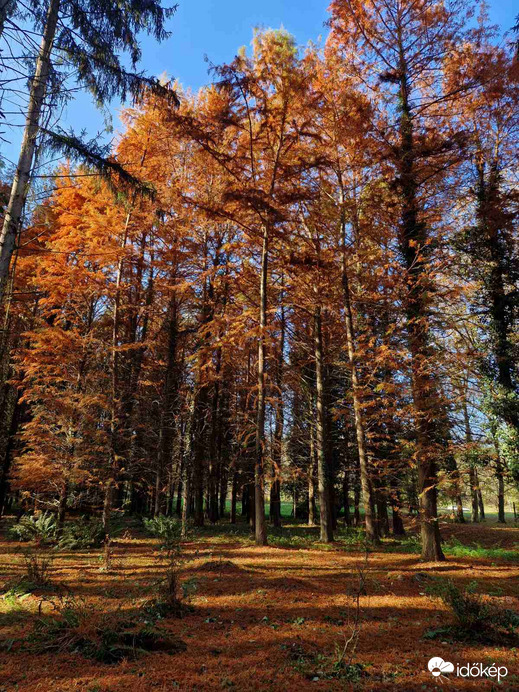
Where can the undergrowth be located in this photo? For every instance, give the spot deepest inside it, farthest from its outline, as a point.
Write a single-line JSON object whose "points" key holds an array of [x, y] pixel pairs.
{"points": [[36, 574], [78, 627], [77, 534], [476, 616], [170, 599]]}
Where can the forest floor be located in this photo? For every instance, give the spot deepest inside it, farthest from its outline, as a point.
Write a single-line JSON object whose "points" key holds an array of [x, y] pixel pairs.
{"points": [[273, 618]]}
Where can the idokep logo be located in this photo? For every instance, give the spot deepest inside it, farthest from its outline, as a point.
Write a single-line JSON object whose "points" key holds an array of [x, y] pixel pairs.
{"points": [[439, 667]]}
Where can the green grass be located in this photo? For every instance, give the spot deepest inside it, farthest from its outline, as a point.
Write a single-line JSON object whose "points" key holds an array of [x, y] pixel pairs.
{"points": [[490, 517], [286, 508], [454, 548], [458, 549]]}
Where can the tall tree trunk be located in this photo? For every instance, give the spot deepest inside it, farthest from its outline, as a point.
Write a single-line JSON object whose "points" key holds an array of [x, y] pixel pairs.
{"points": [[455, 477], [382, 514], [396, 506], [500, 492], [372, 532], [275, 490], [224, 481], [502, 301], [13, 415], [20, 186], [199, 449], [170, 403], [472, 470], [413, 239], [186, 500], [480, 499], [234, 494], [398, 524], [346, 497], [323, 474], [62, 506], [259, 471], [481, 505], [356, 495], [312, 469], [500, 475]]}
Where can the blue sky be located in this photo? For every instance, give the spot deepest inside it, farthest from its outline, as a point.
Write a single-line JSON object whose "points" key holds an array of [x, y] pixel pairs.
{"points": [[216, 29]]}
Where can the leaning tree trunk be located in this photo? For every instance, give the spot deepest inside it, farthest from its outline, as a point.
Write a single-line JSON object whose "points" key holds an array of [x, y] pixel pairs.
{"points": [[323, 475], [19, 189], [259, 471]]}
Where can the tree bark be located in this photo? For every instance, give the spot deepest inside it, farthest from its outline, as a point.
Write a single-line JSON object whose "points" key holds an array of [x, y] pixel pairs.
{"points": [[346, 497], [472, 470], [500, 475], [259, 471], [372, 532], [62, 506], [323, 474], [480, 499], [169, 404], [312, 468], [382, 514], [412, 242], [275, 490]]}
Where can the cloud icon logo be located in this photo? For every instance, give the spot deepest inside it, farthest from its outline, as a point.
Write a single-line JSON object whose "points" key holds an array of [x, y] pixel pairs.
{"points": [[438, 666]]}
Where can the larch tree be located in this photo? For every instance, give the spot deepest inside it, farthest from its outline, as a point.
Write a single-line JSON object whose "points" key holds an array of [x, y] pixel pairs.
{"points": [[399, 50]]}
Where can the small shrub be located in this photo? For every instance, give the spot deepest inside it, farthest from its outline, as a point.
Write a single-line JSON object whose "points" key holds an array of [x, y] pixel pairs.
{"points": [[81, 534], [36, 574], [476, 616], [169, 532], [318, 666], [37, 568], [169, 598], [170, 594], [106, 637], [41, 528]]}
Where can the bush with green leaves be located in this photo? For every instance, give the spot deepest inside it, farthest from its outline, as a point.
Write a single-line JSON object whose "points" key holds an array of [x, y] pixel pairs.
{"points": [[169, 532], [78, 627], [476, 616], [76, 534], [41, 528], [81, 534], [169, 599]]}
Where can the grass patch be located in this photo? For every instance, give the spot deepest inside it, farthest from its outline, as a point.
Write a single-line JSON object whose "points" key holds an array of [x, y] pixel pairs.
{"points": [[457, 549]]}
